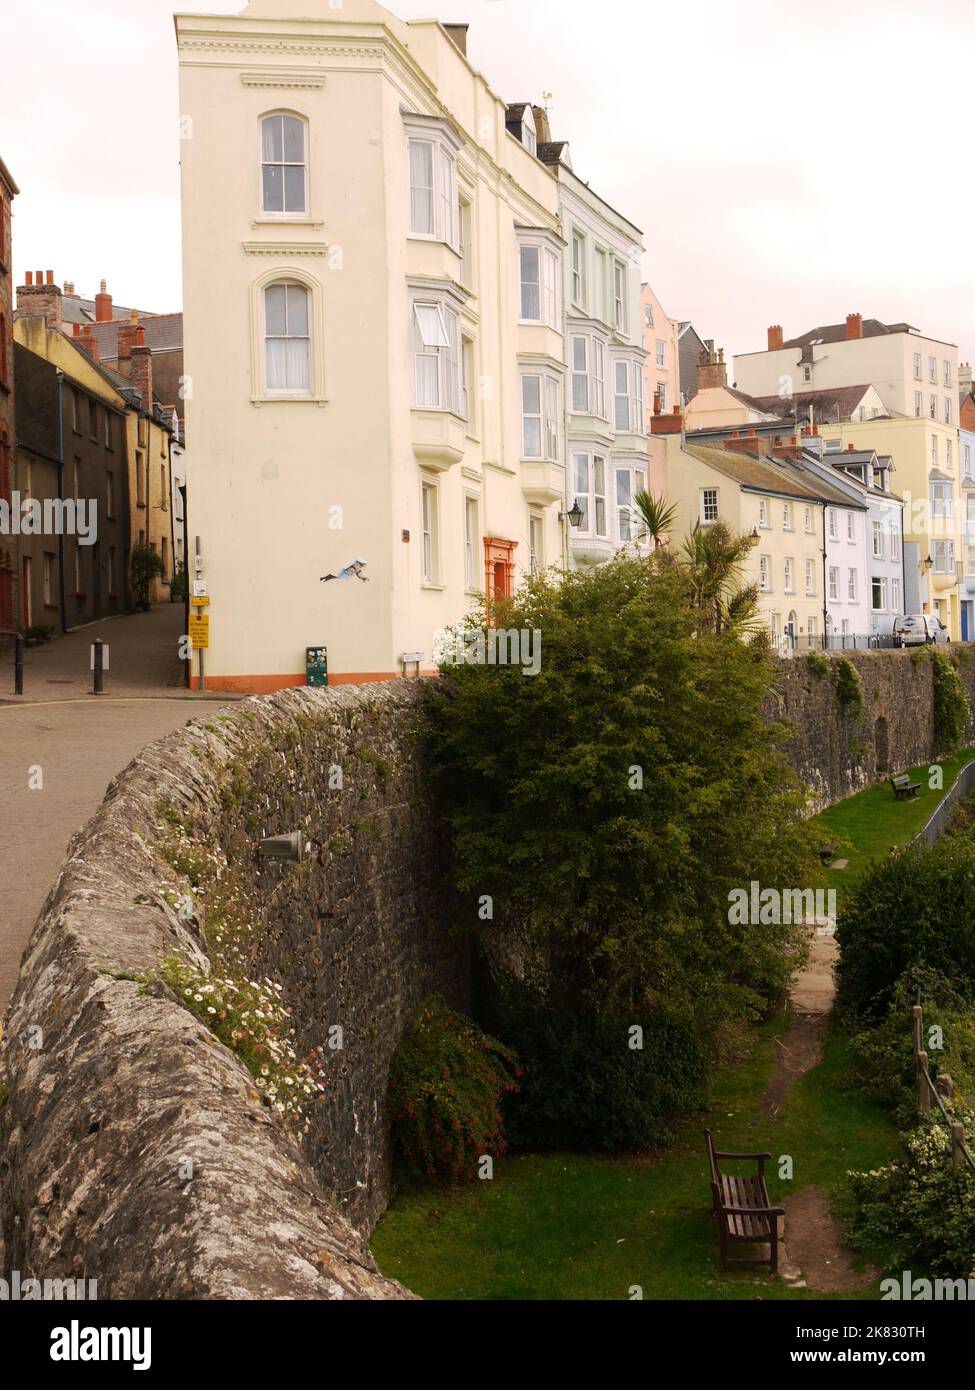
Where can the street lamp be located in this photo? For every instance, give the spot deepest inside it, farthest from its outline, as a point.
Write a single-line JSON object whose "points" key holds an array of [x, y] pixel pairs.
{"points": [[754, 537], [929, 563], [574, 515]]}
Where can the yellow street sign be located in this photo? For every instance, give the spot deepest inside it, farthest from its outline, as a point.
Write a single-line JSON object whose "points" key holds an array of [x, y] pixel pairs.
{"points": [[200, 633], [200, 601]]}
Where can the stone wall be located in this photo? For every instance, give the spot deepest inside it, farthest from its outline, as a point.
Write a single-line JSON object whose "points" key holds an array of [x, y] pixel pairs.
{"points": [[114, 1086], [835, 754]]}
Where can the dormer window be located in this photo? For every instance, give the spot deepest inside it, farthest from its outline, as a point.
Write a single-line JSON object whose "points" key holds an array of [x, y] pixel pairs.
{"points": [[529, 136]]}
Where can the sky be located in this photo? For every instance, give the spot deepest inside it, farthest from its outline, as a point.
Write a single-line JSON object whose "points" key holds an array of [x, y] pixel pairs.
{"points": [[789, 161]]}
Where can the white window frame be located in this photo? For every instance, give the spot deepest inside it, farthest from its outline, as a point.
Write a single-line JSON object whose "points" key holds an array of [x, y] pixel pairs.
{"points": [[765, 573], [709, 500], [437, 338], [881, 580], [580, 278], [763, 521], [636, 481], [878, 540], [472, 540], [788, 575], [895, 593], [547, 265], [834, 583], [621, 399], [443, 222], [810, 578], [285, 214], [943, 553], [786, 516], [529, 135], [851, 586], [429, 533], [536, 542], [548, 416], [620, 288], [808, 522], [851, 531], [590, 496], [288, 283], [660, 345]]}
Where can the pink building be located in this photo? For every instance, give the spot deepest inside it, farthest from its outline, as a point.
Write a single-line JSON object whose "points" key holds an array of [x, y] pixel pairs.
{"points": [[663, 378]]}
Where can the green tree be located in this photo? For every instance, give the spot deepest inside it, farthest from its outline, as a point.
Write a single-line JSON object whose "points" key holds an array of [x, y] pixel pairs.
{"points": [[654, 516], [608, 804], [713, 560], [145, 565]]}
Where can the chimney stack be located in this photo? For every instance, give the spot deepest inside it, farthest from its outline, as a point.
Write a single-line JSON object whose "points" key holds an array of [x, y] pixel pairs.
{"points": [[35, 299], [457, 33], [712, 370], [542, 129], [775, 337], [668, 424], [87, 341], [135, 359], [854, 325], [103, 304]]}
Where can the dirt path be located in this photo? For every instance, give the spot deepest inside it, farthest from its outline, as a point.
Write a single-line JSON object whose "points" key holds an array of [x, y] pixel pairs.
{"points": [[813, 1253]]}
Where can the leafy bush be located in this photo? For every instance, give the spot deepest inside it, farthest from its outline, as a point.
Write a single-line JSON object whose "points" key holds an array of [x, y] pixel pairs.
{"points": [[818, 663], [585, 1086], [610, 803], [885, 1053], [920, 1212], [145, 565], [849, 687], [951, 707], [914, 908], [445, 1087]]}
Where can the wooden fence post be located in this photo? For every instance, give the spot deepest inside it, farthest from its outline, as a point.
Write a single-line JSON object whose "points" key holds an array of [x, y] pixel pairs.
{"points": [[923, 1090], [957, 1143]]}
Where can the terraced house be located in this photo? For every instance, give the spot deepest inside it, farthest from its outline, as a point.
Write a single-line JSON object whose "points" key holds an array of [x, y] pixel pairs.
{"points": [[374, 328]]}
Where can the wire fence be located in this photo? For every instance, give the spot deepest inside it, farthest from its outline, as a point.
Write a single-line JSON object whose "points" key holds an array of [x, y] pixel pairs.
{"points": [[937, 1091]]}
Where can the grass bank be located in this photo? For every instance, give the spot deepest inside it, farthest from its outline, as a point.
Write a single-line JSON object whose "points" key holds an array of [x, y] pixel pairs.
{"points": [[584, 1226]]}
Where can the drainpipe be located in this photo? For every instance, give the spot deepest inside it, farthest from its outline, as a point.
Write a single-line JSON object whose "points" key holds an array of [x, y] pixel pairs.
{"points": [[61, 598], [825, 587]]}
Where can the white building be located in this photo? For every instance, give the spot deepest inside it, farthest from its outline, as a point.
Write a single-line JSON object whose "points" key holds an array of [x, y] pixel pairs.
{"points": [[606, 402], [374, 332]]}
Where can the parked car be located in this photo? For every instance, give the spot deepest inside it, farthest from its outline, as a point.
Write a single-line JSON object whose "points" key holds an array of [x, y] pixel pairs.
{"points": [[916, 629]]}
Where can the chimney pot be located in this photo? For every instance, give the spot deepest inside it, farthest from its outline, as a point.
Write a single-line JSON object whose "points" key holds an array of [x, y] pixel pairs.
{"points": [[850, 447], [775, 337], [50, 277], [29, 278], [103, 305], [854, 325]]}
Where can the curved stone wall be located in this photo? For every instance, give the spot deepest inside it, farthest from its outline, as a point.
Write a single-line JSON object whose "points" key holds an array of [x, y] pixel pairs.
{"points": [[137, 1149]]}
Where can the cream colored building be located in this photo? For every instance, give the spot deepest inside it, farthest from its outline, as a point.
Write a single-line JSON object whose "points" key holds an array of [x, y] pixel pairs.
{"points": [[373, 334], [927, 475], [913, 375], [783, 510]]}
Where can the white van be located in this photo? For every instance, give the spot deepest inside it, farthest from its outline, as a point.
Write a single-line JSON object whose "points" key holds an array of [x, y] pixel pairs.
{"points": [[916, 629]]}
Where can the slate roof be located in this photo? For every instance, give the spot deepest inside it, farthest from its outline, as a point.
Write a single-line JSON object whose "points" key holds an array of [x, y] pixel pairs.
{"points": [[164, 333], [833, 403], [836, 332], [768, 475]]}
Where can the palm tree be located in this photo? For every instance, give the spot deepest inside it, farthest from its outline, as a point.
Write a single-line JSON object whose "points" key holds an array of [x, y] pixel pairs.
{"points": [[654, 516], [714, 558]]}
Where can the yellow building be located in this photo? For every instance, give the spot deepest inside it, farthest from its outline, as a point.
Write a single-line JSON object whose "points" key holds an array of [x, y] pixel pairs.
{"points": [[781, 510], [926, 474]]}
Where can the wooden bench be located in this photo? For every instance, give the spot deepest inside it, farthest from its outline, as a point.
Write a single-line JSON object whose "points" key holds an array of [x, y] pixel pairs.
{"points": [[742, 1208], [903, 787]]}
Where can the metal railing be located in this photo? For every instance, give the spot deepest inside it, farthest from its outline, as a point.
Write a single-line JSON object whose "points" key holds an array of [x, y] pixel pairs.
{"points": [[929, 1090]]}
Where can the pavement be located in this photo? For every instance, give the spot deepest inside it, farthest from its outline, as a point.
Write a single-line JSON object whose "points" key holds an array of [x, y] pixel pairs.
{"points": [[73, 743]]}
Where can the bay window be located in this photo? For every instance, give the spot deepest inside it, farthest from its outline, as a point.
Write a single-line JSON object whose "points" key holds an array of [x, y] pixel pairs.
{"points": [[629, 481], [436, 357], [628, 399], [619, 296], [539, 285], [589, 479], [434, 199], [588, 359], [540, 415]]}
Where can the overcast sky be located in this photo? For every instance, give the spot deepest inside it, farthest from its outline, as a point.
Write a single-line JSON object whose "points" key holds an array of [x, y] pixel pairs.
{"points": [[790, 161]]}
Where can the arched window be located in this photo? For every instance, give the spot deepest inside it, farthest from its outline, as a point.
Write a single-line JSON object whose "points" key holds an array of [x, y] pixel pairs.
{"points": [[284, 163], [287, 338]]}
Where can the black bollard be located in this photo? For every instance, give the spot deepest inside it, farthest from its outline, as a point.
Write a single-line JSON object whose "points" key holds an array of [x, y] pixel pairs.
{"points": [[19, 664], [97, 668]]}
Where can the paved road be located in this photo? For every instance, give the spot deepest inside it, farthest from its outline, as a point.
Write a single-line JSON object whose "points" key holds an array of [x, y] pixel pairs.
{"points": [[79, 741]]}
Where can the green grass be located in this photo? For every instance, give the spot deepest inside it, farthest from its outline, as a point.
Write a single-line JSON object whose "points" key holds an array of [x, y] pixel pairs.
{"points": [[869, 823], [580, 1226]]}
